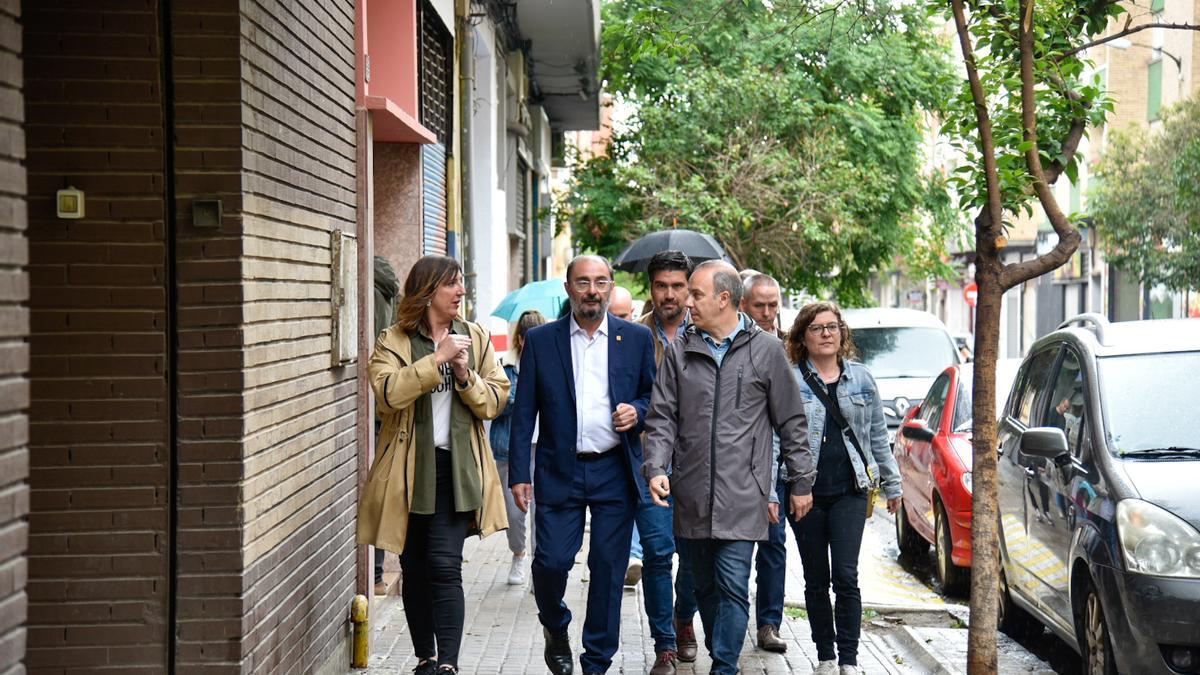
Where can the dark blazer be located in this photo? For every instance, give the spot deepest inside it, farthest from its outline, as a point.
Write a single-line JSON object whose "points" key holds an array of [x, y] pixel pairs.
{"points": [[548, 390]]}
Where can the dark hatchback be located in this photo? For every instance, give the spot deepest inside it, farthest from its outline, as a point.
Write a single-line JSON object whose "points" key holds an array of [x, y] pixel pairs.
{"points": [[1100, 493]]}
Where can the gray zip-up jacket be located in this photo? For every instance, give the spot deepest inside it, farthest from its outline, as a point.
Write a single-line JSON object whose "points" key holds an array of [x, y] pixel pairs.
{"points": [[710, 427]]}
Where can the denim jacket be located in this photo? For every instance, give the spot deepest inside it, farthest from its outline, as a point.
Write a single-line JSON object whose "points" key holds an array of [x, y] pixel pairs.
{"points": [[858, 397], [498, 436]]}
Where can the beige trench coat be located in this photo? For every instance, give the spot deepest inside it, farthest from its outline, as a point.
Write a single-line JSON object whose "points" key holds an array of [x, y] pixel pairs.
{"points": [[384, 504]]}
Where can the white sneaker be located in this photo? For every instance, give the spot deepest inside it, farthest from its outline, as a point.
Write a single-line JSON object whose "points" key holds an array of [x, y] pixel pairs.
{"points": [[829, 667], [516, 573], [849, 670], [633, 573]]}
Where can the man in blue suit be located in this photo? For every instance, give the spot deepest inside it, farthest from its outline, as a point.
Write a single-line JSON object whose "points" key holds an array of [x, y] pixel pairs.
{"points": [[588, 376]]}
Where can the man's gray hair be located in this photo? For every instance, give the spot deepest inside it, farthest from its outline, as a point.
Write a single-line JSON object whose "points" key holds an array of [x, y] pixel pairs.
{"points": [[725, 278], [758, 279]]}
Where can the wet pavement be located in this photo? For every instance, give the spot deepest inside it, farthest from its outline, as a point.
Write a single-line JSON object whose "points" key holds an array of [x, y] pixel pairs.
{"points": [[921, 569]]}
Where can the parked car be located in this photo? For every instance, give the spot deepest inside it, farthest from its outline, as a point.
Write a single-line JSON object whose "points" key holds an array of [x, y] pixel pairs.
{"points": [[1099, 484], [933, 451], [905, 349]]}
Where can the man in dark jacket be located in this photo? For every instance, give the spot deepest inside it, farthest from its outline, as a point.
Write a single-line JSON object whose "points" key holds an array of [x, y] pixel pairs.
{"points": [[721, 393], [387, 287]]}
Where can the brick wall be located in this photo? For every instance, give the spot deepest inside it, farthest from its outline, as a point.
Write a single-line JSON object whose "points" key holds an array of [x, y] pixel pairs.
{"points": [[299, 450], [206, 71], [98, 528], [14, 350]]}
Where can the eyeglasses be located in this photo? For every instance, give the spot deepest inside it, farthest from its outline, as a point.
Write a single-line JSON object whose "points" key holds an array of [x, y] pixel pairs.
{"points": [[831, 328], [582, 285]]}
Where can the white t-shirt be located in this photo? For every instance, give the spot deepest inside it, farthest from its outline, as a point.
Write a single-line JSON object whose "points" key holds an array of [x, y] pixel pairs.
{"points": [[441, 406]]}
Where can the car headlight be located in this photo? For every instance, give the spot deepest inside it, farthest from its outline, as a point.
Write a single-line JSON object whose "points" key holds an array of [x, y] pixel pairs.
{"points": [[966, 482], [1156, 541]]}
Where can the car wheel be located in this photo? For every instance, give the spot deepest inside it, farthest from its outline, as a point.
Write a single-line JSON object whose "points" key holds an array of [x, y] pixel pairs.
{"points": [[952, 577], [1098, 657], [910, 543], [1014, 621]]}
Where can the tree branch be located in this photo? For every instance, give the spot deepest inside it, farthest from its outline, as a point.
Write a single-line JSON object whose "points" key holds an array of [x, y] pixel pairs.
{"points": [[1074, 135], [1068, 236], [985, 240], [1127, 31]]}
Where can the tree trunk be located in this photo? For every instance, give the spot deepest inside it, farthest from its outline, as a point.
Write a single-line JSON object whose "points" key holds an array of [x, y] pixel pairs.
{"points": [[985, 512]]}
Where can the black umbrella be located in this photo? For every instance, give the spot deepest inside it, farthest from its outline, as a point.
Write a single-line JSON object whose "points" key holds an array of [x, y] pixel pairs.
{"points": [[696, 245]]}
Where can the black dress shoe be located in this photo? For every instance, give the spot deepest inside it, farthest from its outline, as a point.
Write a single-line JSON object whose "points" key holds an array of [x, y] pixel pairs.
{"points": [[559, 659]]}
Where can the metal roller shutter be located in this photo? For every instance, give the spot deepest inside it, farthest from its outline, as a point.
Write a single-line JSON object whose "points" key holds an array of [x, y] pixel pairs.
{"points": [[433, 199]]}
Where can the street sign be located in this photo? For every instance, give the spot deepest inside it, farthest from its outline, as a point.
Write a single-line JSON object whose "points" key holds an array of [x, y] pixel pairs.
{"points": [[971, 293]]}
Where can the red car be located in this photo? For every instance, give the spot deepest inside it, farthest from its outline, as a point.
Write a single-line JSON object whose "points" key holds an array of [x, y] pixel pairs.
{"points": [[933, 451]]}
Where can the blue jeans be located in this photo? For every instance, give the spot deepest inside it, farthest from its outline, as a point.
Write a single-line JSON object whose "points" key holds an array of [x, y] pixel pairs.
{"points": [[771, 565], [721, 571], [685, 591], [654, 543]]}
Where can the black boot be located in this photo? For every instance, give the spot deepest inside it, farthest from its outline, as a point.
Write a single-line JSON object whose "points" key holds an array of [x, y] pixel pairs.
{"points": [[559, 659]]}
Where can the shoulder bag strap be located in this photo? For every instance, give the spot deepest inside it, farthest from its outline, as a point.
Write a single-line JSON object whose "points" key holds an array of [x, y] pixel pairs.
{"points": [[834, 411]]}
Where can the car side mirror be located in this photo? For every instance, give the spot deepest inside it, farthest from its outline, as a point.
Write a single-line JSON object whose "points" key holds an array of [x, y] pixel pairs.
{"points": [[917, 432], [1047, 442]]}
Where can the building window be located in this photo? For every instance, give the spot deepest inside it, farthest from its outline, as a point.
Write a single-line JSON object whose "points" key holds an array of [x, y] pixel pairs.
{"points": [[1154, 90], [436, 69]]}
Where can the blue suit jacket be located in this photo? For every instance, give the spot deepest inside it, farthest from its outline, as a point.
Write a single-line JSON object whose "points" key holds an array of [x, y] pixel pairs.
{"points": [[547, 389]]}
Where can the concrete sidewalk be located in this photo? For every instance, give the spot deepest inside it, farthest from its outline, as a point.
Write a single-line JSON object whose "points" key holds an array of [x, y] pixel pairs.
{"points": [[502, 633]]}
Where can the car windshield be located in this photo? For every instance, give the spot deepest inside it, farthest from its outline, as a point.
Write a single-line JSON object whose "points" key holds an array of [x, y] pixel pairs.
{"points": [[1148, 397], [904, 352]]}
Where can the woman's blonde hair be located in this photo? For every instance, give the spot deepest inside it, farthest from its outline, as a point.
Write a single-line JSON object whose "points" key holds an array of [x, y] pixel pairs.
{"points": [[429, 274], [798, 351]]}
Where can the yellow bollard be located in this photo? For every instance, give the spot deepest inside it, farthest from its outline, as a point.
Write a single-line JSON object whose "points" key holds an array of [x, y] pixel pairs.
{"points": [[358, 616]]}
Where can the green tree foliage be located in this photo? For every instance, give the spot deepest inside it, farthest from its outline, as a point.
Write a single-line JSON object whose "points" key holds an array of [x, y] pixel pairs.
{"points": [[1147, 207], [1068, 99], [790, 132]]}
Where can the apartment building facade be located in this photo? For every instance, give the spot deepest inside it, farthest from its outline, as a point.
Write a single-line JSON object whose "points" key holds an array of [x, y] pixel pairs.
{"points": [[192, 194]]}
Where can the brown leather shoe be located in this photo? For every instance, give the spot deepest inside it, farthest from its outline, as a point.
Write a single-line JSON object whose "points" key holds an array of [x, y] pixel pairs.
{"points": [[768, 639], [664, 664], [685, 640]]}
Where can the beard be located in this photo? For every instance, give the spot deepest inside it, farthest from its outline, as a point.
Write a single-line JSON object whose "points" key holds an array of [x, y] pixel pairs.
{"points": [[668, 315], [583, 312]]}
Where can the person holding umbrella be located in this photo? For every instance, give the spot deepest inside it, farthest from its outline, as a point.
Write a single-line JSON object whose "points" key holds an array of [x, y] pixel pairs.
{"points": [[436, 380]]}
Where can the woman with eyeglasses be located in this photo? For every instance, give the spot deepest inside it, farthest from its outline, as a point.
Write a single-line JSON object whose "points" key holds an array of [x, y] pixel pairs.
{"points": [[849, 441], [434, 481]]}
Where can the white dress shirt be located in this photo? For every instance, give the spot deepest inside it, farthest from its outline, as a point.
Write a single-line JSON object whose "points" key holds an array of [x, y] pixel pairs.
{"points": [[593, 408]]}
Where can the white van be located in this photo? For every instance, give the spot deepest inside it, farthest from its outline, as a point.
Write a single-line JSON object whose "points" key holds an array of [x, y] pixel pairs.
{"points": [[905, 350]]}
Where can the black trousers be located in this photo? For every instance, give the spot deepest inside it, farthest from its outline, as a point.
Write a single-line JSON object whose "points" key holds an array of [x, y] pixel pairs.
{"points": [[432, 567], [829, 538]]}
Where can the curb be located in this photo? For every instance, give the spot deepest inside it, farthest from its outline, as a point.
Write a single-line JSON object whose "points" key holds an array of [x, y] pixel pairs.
{"points": [[955, 610], [915, 647]]}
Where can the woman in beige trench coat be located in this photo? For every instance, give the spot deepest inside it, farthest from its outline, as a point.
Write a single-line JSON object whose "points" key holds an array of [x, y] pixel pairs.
{"points": [[436, 380]]}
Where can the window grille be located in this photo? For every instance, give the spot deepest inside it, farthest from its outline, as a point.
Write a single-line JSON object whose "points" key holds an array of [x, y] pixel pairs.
{"points": [[436, 69]]}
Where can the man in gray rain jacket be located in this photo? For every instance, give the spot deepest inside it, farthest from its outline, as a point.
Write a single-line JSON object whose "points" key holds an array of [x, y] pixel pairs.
{"points": [[721, 392]]}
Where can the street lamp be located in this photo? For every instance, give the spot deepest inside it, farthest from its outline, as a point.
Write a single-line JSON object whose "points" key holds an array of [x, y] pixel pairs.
{"points": [[1123, 44]]}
